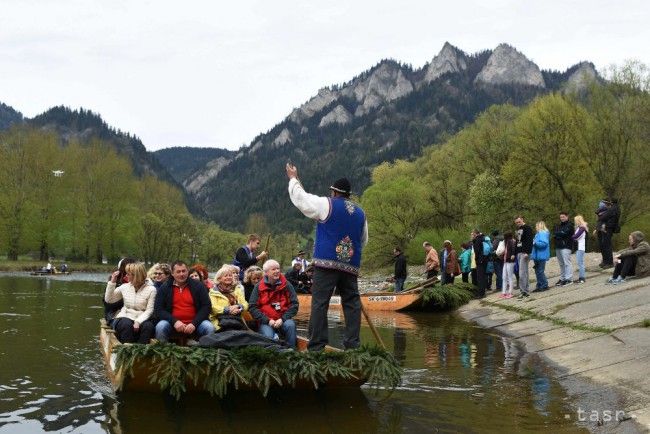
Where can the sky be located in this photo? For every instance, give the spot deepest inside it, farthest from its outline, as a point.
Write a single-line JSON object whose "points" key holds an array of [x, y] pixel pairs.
{"points": [[216, 74]]}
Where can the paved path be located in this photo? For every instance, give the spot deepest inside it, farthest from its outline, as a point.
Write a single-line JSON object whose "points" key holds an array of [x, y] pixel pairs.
{"points": [[593, 335]]}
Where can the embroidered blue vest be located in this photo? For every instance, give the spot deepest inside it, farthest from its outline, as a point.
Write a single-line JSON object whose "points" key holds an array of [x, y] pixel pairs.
{"points": [[338, 237]]}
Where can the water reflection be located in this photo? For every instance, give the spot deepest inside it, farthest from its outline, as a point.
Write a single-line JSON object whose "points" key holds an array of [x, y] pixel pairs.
{"points": [[456, 378]]}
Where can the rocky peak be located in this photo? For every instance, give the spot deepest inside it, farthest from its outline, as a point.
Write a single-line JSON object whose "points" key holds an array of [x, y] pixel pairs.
{"points": [[385, 83], [585, 73], [282, 138], [196, 181], [325, 97], [449, 59], [339, 116], [506, 65]]}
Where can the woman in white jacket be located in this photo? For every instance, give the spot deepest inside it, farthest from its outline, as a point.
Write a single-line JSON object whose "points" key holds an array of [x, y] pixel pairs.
{"points": [[133, 322]]}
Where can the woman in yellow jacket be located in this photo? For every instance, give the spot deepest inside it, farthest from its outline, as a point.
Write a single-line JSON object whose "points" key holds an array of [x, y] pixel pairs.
{"points": [[227, 297]]}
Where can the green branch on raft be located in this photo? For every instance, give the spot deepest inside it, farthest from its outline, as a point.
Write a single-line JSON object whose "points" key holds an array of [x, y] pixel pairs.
{"points": [[448, 297], [174, 366]]}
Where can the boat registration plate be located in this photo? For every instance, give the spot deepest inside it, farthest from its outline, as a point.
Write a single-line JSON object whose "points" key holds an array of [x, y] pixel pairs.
{"points": [[380, 298]]}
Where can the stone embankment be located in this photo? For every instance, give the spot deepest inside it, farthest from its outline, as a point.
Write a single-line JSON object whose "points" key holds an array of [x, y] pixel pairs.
{"points": [[596, 336]]}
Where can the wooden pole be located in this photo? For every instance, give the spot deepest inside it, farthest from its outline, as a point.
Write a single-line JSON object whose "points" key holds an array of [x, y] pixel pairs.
{"points": [[268, 240], [372, 327]]}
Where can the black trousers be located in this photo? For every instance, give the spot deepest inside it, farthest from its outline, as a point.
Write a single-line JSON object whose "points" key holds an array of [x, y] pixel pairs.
{"points": [[448, 279], [481, 279], [626, 267], [325, 281], [124, 331], [605, 244], [466, 277]]}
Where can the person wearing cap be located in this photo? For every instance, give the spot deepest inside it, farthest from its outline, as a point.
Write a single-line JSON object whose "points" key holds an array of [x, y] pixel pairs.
{"points": [[300, 257], [341, 234]]}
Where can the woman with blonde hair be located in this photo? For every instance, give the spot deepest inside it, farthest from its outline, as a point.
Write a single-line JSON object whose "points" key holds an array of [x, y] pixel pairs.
{"points": [[227, 298], [252, 276], [541, 254], [133, 322], [158, 274], [580, 236]]}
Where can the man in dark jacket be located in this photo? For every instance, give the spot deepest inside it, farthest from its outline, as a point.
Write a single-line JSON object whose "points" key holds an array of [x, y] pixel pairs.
{"points": [[400, 269], [245, 255], [523, 250], [606, 227], [182, 305], [481, 261], [274, 303], [563, 243]]}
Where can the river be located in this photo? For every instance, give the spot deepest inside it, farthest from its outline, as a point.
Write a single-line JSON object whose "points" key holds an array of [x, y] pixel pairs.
{"points": [[457, 378]]}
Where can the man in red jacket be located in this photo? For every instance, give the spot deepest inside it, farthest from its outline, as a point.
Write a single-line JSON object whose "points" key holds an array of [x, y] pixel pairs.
{"points": [[274, 303]]}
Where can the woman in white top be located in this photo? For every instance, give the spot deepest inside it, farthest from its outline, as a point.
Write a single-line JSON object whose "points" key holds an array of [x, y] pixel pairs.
{"points": [[580, 236], [133, 322]]}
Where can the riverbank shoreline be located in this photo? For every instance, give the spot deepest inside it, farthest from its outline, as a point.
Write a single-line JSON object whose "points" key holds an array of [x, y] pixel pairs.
{"points": [[30, 265], [593, 335]]}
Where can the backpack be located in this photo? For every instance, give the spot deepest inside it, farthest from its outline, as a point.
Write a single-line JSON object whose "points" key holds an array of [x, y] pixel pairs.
{"points": [[487, 246]]}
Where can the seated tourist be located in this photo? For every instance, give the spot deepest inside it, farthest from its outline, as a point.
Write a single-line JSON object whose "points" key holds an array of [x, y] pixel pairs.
{"points": [[293, 275], [194, 274], [133, 321], [274, 303], [227, 298], [205, 277], [182, 306], [252, 276], [159, 273], [111, 309], [633, 261]]}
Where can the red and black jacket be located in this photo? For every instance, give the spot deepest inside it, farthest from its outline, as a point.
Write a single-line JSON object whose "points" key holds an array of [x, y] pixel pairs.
{"points": [[271, 302]]}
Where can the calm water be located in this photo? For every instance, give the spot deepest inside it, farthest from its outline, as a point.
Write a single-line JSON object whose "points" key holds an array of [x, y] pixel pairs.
{"points": [[458, 378]]}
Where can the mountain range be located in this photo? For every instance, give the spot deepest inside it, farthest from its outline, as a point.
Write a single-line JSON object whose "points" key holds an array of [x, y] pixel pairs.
{"points": [[388, 112]]}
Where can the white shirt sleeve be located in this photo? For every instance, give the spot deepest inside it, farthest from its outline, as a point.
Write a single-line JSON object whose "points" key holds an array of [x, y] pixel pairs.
{"points": [[312, 206], [364, 236]]}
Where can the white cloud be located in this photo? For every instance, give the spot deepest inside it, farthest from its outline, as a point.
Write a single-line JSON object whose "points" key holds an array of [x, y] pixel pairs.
{"points": [[216, 74]]}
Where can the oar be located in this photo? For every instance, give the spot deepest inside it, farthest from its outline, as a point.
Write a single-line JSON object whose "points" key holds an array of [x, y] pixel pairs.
{"points": [[420, 285], [372, 327]]}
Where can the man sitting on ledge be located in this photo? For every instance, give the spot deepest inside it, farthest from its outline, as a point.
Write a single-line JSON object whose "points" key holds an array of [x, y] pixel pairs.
{"points": [[182, 305], [274, 303]]}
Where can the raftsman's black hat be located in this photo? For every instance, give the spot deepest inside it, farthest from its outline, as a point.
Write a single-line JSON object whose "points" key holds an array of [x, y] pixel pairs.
{"points": [[342, 186]]}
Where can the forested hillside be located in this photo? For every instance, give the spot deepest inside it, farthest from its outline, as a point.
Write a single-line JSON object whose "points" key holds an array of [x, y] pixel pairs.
{"points": [[83, 201], [561, 152], [182, 161]]}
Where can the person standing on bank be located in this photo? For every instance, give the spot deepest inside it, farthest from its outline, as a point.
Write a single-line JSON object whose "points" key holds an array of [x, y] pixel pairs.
{"points": [[341, 234], [481, 261], [400, 269], [580, 237], [524, 249], [431, 260], [563, 243], [541, 254], [606, 227]]}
